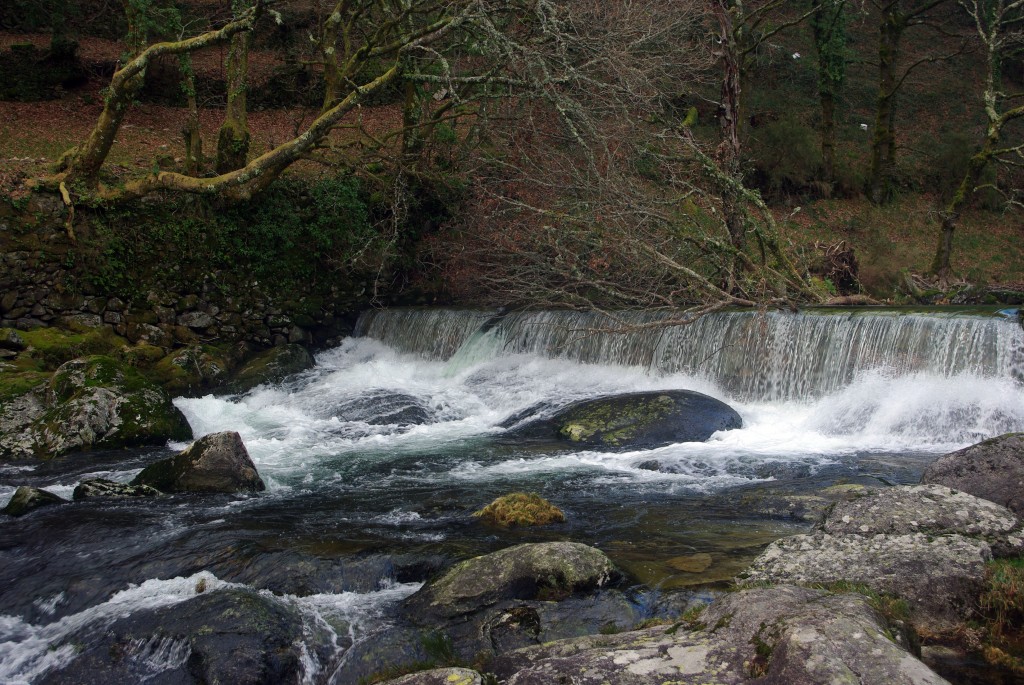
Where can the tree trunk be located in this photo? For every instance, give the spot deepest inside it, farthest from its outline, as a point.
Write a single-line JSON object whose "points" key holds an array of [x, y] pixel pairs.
{"points": [[329, 52], [729, 123], [233, 139], [941, 266], [828, 136], [191, 131], [883, 140]]}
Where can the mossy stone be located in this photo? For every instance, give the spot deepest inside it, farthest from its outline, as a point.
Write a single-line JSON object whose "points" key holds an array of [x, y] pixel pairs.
{"points": [[27, 498], [271, 366], [520, 509]]}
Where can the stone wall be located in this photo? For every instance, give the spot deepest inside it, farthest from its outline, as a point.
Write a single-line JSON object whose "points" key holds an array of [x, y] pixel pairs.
{"points": [[45, 281]]}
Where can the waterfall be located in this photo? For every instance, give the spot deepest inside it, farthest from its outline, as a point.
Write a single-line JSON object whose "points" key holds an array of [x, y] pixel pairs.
{"points": [[764, 356]]}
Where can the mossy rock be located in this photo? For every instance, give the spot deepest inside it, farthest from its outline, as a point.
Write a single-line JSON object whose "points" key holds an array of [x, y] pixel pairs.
{"points": [[97, 402], [192, 369], [520, 509], [545, 570], [271, 366], [55, 346], [18, 383], [632, 421], [11, 340], [27, 498]]}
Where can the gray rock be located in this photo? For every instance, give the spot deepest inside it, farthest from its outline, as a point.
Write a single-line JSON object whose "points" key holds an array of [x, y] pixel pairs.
{"points": [[939, 577], [101, 487], [545, 570], [27, 498], [992, 470], [217, 462], [439, 676], [930, 509], [786, 634], [195, 320], [10, 340], [16, 417]]}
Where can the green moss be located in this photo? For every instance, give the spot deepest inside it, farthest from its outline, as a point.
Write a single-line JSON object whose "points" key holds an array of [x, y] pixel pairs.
{"points": [[16, 384], [54, 346], [520, 509], [613, 423]]}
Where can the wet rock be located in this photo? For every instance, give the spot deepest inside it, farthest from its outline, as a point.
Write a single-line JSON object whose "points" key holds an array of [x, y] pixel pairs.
{"points": [[217, 462], [439, 676], [385, 408], [27, 498], [691, 563], [225, 636], [940, 577], [271, 366], [636, 420], [781, 635], [545, 570], [11, 340], [992, 470], [929, 509], [96, 402], [101, 487], [17, 414]]}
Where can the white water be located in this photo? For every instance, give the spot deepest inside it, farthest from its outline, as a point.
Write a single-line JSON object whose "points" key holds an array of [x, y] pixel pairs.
{"points": [[29, 650], [932, 405]]}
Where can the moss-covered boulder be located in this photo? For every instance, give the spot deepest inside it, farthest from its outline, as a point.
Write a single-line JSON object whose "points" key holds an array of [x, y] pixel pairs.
{"points": [[91, 402], [193, 370], [634, 420], [439, 676], [27, 498], [271, 366], [217, 462], [545, 569], [11, 340], [520, 509], [51, 347]]}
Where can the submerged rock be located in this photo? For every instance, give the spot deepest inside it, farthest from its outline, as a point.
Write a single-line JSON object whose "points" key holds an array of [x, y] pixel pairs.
{"points": [[101, 487], [95, 402], [27, 498], [271, 366], [778, 635], [217, 462], [636, 420], [546, 569], [520, 509], [384, 408], [992, 469]]}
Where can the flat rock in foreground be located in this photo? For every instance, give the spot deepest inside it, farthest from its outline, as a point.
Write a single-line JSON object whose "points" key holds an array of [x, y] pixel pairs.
{"points": [[784, 634]]}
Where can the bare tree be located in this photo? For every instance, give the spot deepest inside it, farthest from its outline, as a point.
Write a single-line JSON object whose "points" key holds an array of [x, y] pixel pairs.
{"points": [[998, 26], [604, 199]]}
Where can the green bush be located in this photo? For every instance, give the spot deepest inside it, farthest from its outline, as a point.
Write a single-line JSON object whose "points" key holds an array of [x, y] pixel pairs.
{"points": [[786, 157]]}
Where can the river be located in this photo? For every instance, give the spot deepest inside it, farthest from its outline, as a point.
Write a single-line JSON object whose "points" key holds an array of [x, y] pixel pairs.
{"points": [[376, 457]]}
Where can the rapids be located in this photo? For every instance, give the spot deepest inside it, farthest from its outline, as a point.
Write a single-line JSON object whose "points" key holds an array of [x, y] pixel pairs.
{"points": [[375, 458]]}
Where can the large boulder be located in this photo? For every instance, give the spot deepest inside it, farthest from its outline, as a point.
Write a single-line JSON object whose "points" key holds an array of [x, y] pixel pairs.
{"points": [[193, 370], [635, 420], [776, 635], [94, 402], [992, 470], [530, 571], [271, 366], [439, 676], [926, 544], [27, 498], [217, 462]]}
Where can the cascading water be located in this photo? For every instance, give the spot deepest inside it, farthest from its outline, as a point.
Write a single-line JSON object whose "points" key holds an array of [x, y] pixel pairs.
{"points": [[375, 458]]}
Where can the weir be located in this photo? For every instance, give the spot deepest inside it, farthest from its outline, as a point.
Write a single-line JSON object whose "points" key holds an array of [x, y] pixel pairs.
{"points": [[763, 356]]}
